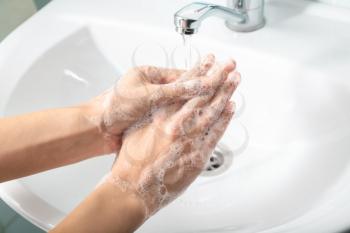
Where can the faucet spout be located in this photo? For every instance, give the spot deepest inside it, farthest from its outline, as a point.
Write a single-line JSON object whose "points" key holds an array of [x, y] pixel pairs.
{"points": [[240, 15], [188, 19]]}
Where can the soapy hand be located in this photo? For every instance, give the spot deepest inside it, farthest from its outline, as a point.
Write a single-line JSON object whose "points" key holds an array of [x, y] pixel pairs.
{"points": [[165, 151], [171, 122], [147, 87]]}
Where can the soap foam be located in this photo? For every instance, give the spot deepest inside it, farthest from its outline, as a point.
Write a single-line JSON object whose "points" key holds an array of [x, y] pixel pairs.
{"points": [[150, 184]]}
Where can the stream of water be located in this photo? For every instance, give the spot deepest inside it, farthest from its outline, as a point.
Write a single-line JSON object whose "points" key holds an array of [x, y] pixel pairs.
{"points": [[188, 53]]}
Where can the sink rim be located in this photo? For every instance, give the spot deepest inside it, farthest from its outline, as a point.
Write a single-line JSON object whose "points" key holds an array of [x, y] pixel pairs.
{"points": [[2, 193], [27, 214]]}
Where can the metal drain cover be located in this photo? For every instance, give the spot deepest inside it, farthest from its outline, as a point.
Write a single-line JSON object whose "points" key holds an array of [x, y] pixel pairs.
{"points": [[220, 160]]}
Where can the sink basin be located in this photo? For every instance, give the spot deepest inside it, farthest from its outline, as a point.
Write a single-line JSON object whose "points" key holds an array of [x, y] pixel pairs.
{"points": [[289, 140]]}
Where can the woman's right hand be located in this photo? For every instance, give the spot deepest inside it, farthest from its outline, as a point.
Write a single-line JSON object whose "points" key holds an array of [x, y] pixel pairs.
{"points": [[147, 87], [163, 153], [160, 156]]}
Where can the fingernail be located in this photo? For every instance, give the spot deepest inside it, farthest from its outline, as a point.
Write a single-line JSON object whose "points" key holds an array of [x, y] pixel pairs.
{"points": [[233, 106], [230, 107], [209, 59], [234, 77], [230, 64], [230, 110]]}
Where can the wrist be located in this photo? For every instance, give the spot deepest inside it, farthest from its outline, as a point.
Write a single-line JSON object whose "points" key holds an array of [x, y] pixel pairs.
{"points": [[91, 118], [106, 209], [126, 201]]}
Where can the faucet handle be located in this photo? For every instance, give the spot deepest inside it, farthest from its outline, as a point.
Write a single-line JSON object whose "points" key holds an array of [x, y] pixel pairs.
{"points": [[245, 5], [254, 11], [239, 4]]}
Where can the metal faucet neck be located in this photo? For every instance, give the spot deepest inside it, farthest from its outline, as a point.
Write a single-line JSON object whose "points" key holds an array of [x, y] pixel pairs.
{"points": [[240, 15]]}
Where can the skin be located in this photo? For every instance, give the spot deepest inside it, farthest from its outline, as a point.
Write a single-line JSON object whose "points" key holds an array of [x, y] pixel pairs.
{"points": [[173, 148], [144, 88], [58, 137], [45, 140], [196, 126], [193, 107]]}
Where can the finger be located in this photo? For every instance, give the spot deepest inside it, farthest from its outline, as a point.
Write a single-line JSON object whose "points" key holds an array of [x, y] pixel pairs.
{"points": [[218, 128], [218, 76], [189, 166], [195, 162], [170, 155], [158, 75], [219, 101], [206, 142], [192, 164], [200, 69], [178, 91], [174, 175], [183, 120]]}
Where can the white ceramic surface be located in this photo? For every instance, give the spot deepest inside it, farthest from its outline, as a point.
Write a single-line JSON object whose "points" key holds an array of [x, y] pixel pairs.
{"points": [[291, 170]]}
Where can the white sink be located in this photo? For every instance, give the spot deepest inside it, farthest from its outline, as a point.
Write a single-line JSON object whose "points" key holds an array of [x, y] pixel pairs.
{"points": [[290, 140]]}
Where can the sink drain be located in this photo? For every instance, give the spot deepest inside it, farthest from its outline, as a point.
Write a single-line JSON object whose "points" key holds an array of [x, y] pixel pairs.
{"points": [[220, 160], [215, 161]]}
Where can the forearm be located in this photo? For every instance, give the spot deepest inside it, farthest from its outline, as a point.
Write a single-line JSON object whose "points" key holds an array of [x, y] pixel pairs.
{"points": [[108, 210], [44, 140]]}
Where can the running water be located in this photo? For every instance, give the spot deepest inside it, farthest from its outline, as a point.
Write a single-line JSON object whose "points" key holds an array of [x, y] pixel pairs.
{"points": [[188, 53]]}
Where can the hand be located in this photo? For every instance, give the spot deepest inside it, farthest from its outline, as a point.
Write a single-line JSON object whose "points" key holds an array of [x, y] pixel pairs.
{"points": [[162, 154], [142, 89]]}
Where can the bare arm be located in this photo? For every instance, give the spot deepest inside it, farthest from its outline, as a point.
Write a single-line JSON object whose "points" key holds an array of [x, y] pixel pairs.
{"points": [[156, 163], [108, 209], [48, 139], [44, 140]]}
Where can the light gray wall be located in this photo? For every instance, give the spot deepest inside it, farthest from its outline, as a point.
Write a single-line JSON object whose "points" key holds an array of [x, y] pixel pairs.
{"points": [[14, 12]]}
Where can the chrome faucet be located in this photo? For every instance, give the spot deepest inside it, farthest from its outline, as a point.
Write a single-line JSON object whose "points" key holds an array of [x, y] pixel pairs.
{"points": [[239, 15]]}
